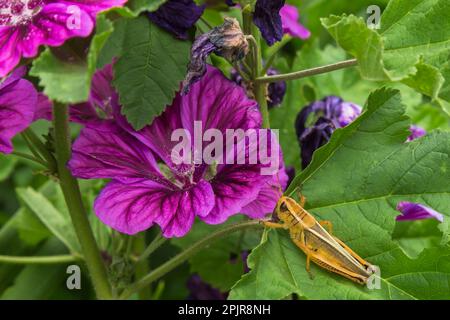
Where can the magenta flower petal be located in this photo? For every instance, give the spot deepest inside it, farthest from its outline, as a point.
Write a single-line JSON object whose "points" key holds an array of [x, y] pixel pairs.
{"points": [[147, 187], [417, 211], [18, 100], [109, 152], [132, 208], [267, 197], [416, 133], [235, 187], [25, 26], [44, 108], [290, 21]]}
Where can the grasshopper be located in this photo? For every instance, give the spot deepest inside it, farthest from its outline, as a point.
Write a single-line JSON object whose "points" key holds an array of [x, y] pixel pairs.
{"points": [[319, 245]]}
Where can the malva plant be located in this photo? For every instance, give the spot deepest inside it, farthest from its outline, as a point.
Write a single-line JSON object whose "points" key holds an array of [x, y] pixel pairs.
{"points": [[96, 98]]}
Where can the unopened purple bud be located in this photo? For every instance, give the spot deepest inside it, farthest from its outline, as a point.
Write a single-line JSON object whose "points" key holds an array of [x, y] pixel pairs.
{"points": [[277, 90], [416, 133]]}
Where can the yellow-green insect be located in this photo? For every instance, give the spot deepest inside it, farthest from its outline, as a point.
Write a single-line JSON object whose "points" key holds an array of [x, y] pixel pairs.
{"points": [[319, 245]]}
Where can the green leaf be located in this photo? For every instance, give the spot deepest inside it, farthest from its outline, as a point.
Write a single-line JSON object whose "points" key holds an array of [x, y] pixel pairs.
{"points": [[104, 29], [40, 281], [412, 46], [139, 6], [66, 82], [7, 164], [56, 221], [356, 181], [149, 72], [220, 264]]}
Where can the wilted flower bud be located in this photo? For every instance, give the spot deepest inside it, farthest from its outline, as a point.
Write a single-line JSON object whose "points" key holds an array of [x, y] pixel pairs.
{"points": [[275, 90], [226, 40], [316, 123]]}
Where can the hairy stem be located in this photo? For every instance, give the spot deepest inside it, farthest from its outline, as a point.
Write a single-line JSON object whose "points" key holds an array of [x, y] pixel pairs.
{"points": [[72, 195], [186, 254], [308, 72], [38, 260], [155, 244]]}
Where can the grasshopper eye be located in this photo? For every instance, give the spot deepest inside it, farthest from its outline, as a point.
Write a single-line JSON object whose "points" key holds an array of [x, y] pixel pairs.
{"points": [[283, 207]]}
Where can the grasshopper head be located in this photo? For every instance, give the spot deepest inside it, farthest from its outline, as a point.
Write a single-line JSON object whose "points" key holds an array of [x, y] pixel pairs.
{"points": [[285, 208]]}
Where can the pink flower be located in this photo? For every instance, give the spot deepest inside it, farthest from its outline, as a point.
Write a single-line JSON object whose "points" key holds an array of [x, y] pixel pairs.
{"points": [[25, 25], [18, 104], [291, 25]]}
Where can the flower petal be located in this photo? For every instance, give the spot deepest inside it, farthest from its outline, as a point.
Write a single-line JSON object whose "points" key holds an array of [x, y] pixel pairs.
{"points": [[291, 25], [267, 18], [109, 152], [9, 49], [234, 186], [18, 101], [267, 197], [417, 211], [132, 208]]}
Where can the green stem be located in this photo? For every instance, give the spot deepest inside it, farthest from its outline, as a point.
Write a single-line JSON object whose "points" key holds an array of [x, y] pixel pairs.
{"points": [[259, 89], [308, 72], [141, 267], [153, 246], [41, 148], [186, 254], [29, 157], [38, 260], [72, 195]]}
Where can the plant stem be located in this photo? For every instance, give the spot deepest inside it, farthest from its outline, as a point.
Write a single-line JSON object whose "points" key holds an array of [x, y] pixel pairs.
{"points": [[153, 246], [141, 267], [308, 72], [29, 157], [259, 89], [72, 195], [186, 254], [38, 260]]}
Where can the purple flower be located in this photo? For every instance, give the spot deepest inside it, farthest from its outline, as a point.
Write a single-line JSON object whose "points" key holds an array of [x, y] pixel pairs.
{"points": [[25, 25], [274, 19], [416, 133], [291, 25], [416, 211], [148, 187], [327, 115], [226, 40], [267, 18], [18, 104], [276, 90], [99, 106], [177, 16]]}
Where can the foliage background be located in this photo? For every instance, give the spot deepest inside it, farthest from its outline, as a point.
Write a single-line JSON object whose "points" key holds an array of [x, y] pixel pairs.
{"points": [[355, 181]]}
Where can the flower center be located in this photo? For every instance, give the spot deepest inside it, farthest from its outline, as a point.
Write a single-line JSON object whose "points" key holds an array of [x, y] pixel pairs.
{"points": [[18, 12]]}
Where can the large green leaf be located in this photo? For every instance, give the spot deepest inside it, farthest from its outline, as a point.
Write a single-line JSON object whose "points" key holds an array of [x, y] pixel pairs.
{"points": [[56, 221], [7, 164], [62, 81], [412, 46], [356, 181], [149, 72]]}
